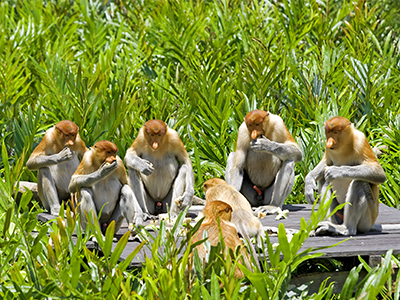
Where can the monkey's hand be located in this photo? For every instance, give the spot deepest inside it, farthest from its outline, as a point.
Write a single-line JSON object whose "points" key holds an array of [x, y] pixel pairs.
{"points": [[143, 166], [332, 173], [107, 168], [261, 144], [186, 200], [309, 189], [65, 155]]}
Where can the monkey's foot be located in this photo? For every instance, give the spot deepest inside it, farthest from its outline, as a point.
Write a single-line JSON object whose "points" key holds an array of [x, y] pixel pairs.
{"points": [[328, 228], [55, 211], [262, 211]]}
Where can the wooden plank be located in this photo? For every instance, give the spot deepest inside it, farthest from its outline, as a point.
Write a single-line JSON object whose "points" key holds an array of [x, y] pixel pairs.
{"points": [[372, 243]]}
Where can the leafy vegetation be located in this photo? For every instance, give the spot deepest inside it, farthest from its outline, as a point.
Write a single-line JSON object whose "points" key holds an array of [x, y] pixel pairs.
{"points": [[201, 66]]}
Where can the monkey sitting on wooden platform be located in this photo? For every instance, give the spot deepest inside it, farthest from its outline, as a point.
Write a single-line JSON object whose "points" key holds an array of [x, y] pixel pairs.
{"points": [[262, 168], [102, 185], [160, 170], [56, 158], [354, 173]]}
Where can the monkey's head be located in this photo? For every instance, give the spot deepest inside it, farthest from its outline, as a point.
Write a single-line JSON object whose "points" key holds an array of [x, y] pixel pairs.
{"points": [[212, 182], [155, 132], [336, 130], [218, 209], [67, 132], [105, 151], [254, 121]]}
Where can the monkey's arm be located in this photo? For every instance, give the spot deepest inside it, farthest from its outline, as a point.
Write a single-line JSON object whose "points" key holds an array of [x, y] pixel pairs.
{"points": [[38, 161], [234, 174], [284, 151], [78, 181], [189, 180], [310, 181], [133, 161], [372, 173]]}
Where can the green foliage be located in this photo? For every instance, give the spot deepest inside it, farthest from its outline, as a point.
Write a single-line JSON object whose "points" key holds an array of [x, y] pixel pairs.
{"points": [[201, 66]]}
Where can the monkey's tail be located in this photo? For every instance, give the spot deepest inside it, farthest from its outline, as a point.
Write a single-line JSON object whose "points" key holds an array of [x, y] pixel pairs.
{"points": [[241, 229]]}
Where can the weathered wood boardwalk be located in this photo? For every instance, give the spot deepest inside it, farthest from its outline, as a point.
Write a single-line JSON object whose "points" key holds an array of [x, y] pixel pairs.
{"points": [[369, 244]]}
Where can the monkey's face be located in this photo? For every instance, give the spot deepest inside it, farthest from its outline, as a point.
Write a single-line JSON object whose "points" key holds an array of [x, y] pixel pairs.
{"points": [[155, 132], [255, 123], [105, 151], [67, 132], [335, 130]]}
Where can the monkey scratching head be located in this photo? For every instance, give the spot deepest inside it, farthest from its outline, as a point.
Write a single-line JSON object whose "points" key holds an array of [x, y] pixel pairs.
{"points": [[334, 128], [105, 151], [154, 132], [254, 121], [67, 131]]}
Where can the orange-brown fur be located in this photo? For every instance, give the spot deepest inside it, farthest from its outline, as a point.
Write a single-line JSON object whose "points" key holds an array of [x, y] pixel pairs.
{"points": [[102, 152], [350, 148], [242, 217], [63, 134], [220, 210]]}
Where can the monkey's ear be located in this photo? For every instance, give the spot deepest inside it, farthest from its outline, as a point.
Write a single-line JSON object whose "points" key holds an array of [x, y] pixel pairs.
{"points": [[57, 128], [267, 113]]}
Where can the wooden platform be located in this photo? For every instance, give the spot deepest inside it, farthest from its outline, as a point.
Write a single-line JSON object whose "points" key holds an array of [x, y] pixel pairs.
{"points": [[370, 244]]}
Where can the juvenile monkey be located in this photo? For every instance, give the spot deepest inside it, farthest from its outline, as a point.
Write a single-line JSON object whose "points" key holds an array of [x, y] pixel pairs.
{"points": [[160, 170], [56, 158], [354, 172], [262, 168], [222, 211], [102, 185], [242, 216]]}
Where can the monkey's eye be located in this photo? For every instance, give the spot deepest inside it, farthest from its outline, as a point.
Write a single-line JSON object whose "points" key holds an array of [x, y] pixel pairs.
{"points": [[151, 134], [335, 132]]}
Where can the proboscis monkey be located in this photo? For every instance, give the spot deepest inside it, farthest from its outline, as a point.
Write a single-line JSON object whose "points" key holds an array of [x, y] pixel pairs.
{"points": [[213, 211], [242, 216], [262, 168], [56, 158], [160, 170], [354, 172], [102, 185]]}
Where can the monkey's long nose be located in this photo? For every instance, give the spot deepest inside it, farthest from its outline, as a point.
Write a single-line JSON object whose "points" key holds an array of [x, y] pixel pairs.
{"points": [[155, 145], [330, 143], [254, 134], [69, 143]]}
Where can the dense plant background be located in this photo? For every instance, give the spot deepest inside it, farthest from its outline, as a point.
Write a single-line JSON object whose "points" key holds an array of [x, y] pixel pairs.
{"points": [[201, 66]]}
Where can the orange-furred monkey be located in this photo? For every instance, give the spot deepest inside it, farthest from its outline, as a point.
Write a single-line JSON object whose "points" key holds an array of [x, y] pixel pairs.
{"points": [[245, 222], [213, 211], [102, 184], [160, 170], [262, 168], [56, 159], [354, 172]]}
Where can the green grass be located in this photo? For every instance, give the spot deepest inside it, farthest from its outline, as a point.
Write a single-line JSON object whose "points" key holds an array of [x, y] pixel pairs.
{"points": [[201, 66]]}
